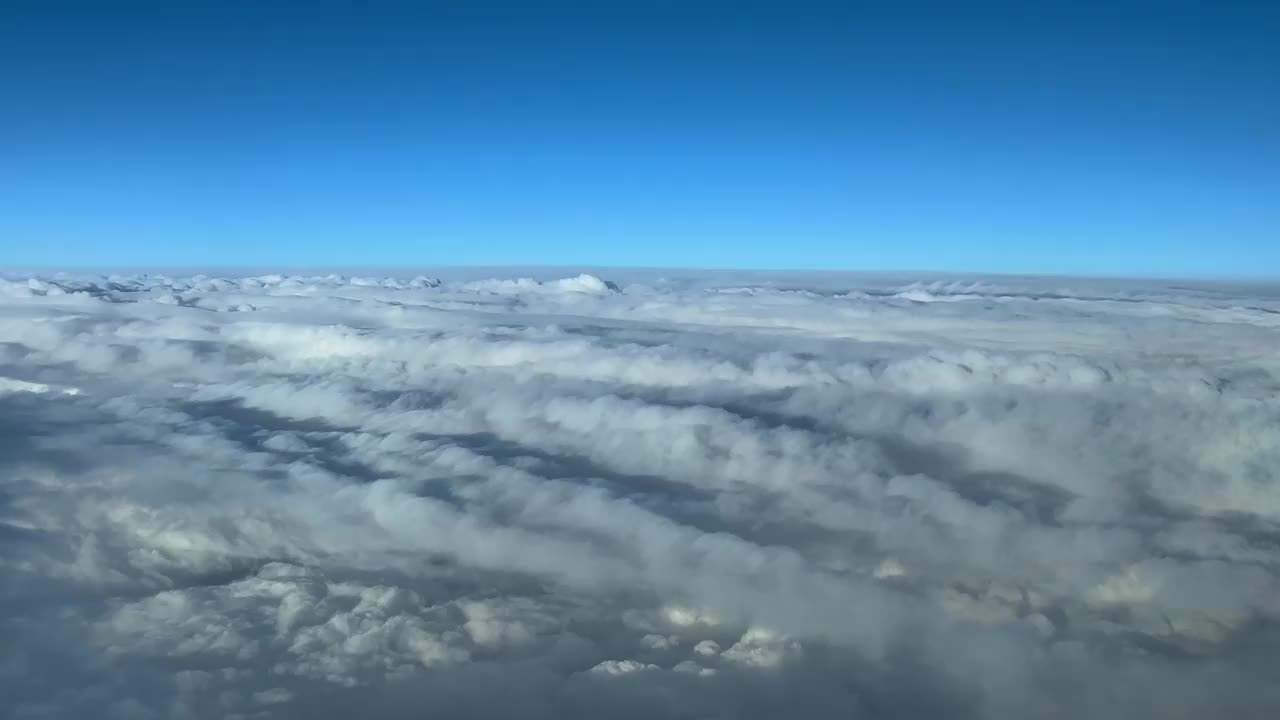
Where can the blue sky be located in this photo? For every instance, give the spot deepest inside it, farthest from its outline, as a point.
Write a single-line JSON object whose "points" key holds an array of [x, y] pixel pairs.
{"points": [[1112, 138]]}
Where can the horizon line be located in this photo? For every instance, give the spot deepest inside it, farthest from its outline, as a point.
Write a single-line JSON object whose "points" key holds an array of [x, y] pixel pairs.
{"points": [[278, 268]]}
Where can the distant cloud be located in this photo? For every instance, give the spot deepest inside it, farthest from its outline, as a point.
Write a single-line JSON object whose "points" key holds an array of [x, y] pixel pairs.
{"points": [[668, 495]]}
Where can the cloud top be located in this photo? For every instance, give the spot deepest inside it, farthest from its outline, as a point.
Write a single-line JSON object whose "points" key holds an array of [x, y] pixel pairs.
{"points": [[661, 495]]}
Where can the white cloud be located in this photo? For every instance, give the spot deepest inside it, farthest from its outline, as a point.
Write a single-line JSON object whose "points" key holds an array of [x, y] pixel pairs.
{"points": [[621, 667], [557, 496]]}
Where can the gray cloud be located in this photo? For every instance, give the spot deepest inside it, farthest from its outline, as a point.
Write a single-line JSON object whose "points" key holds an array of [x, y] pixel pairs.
{"points": [[679, 495]]}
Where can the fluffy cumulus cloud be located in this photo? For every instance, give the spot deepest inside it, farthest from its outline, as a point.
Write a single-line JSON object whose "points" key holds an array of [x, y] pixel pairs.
{"points": [[697, 495]]}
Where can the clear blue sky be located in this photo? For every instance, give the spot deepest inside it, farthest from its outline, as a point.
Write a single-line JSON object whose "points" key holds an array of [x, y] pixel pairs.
{"points": [[1097, 137]]}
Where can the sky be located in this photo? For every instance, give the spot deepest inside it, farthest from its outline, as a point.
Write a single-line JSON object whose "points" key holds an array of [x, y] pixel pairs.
{"points": [[1044, 137]]}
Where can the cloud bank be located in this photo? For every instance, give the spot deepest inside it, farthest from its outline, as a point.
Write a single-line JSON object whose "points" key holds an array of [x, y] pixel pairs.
{"points": [[697, 495]]}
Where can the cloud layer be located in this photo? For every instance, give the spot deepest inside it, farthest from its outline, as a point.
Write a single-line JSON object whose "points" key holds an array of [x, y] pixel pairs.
{"points": [[698, 495]]}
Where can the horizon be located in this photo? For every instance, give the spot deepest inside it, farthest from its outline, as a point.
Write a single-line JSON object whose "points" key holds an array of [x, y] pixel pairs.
{"points": [[507, 270]]}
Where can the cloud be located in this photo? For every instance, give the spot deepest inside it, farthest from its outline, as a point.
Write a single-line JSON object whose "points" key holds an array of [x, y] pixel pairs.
{"points": [[679, 494]]}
